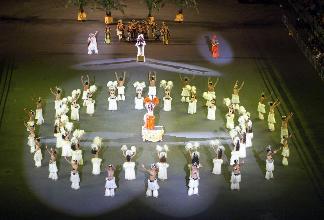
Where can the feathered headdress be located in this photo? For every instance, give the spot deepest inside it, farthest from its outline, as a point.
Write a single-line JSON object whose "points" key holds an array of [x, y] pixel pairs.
{"points": [[162, 151], [93, 88], [128, 152], [227, 101]]}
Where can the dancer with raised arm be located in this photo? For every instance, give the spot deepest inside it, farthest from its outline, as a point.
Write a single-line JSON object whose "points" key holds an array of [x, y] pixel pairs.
{"points": [[74, 177], [92, 43], [235, 95], [185, 94], [120, 87], [284, 126], [52, 167], [152, 184], [271, 115], [110, 181]]}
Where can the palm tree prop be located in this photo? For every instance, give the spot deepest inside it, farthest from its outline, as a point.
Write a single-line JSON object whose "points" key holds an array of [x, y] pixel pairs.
{"points": [[153, 4], [111, 5], [80, 4], [181, 4]]}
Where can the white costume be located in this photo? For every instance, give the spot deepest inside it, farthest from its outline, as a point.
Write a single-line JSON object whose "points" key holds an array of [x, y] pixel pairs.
{"points": [[92, 44], [52, 168], [163, 173], [31, 143], [193, 186], [249, 134], [235, 155], [192, 106], [185, 94], [283, 133], [75, 112], [211, 112], [38, 158], [140, 44], [112, 103], [271, 121], [235, 99], [235, 180], [66, 148], [285, 154], [217, 169], [59, 140], [167, 104], [96, 162], [230, 120], [39, 116], [110, 187], [269, 169], [90, 106], [129, 168], [152, 91], [75, 179], [85, 96], [121, 93], [261, 110], [139, 103], [77, 155], [152, 186]]}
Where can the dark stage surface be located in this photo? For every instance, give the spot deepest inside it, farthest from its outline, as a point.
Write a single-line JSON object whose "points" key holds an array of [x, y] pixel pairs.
{"points": [[43, 46]]}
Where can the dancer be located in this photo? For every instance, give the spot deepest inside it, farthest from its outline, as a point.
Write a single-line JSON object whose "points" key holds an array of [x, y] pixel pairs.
{"points": [[77, 153], [193, 179], [140, 44], [110, 181], [52, 168], [236, 176], [107, 35], [285, 151], [162, 164], [261, 107], [214, 47], [112, 99], [39, 112], [230, 119], [75, 111], [165, 32], [249, 131], [152, 184], [271, 115], [57, 94], [210, 94], [38, 153], [235, 95], [185, 94], [92, 43], [96, 161], [74, 177], [235, 154], [167, 91], [242, 151], [218, 161], [120, 87], [129, 166], [31, 142], [284, 126], [66, 145], [152, 81], [212, 110], [86, 87], [192, 106], [139, 100], [90, 105], [120, 29], [269, 163]]}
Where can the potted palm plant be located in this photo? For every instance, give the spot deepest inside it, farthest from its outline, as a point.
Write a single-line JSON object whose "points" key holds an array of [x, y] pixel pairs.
{"points": [[110, 5], [153, 5], [82, 16], [181, 4]]}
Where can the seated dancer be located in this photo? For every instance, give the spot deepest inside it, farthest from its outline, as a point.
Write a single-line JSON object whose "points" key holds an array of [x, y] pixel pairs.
{"points": [[284, 126], [52, 168], [38, 153], [39, 112], [211, 115], [162, 164], [74, 177], [96, 161], [112, 99], [271, 115], [185, 94], [261, 107], [152, 81], [120, 87], [139, 100], [86, 87], [269, 163], [218, 161], [152, 184], [236, 176], [110, 181], [92, 43], [192, 106], [167, 91], [215, 47], [235, 95], [129, 166]]}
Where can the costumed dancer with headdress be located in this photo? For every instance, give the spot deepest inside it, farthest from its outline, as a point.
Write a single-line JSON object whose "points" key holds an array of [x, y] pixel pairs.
{"points": [[185, 94], [285, 151], [149, 118], [76, 150], [66, 145], [110, 181], [230, 119], [210, 94], [162, 164], [152, 184], [120, 87], [167, 85], [249, 130], [75, 111], [269, 163], [96, 161], [31, 141], [57, 93], [192, 105], [271, 115], [284, 126], [107, 35], [74, 177], [91, 102], [261, 107], [214, 47], [38, 153], [39, 112], [120, 29], [86, 87], [152, 81], [165, 32], [112, 99], [92, 43], [139, 100], [129, 166], [211, 115], [218, 161], [235, 154], [52, 168], [235, 95], [236, 176], [193, 168], [140, 44]]}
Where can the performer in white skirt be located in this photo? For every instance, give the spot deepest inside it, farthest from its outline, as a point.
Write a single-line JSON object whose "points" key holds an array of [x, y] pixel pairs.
{"points": [[38, 153], [235, 154], [120, 87], [210, 94], [129, 166], [269, 163], [185, 94], [66, 146], [112, 101], [57, 94], [77, 153], [92, 43], [152, 87], [230, 120], [235, 95], [96, 161], [218, 161], [236, 176], [193, 179], [140, 44], [75, 111], [212, 110], [74, 177], [120, 29], [31, 142], [242, 150], [39, 112], [139, 99], [86, 86], [90, 105], [192, 105], [162, 164], [284, 126], [152, 184], [52, 168], [249, 132], [261, 107], [285, 151], [167, 101], [271, 115], [110, 181]]}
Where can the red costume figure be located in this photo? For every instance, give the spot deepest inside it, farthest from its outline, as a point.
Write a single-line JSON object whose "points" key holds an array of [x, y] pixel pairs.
{"points": [[149, 117], [214, 47]]}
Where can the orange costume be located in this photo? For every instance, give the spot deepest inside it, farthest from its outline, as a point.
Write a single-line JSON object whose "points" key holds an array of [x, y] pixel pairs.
{"points": [[149, 117], [214, 47]]}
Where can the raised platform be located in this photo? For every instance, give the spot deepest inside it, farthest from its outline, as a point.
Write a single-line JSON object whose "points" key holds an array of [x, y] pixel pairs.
{"points": [[154, 135]]}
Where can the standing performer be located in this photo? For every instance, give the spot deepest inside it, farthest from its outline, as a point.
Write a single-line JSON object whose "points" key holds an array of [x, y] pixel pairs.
{"points": [[214, 47], [57, 93], [92, 43], [235, 95], [230, 120], [193, 179], [66, 146], [210, 94], [112, 99], [284, 126], [218, 161], [52, 168], [39, 112], [212, 110], [110, 181], [77, 153], [285, 151], [139, 100], [192, 106], [249, 131], [140, 44], [38, 153], [107, 35], [31, 142], [185, 94], [165, 32], [152, 81], [120, 29], [167, 100], [86, 86], [236, 176], [74, 177], [152, 184], [261, 107], [120, 87], [75, 111], [269, 163], [271, 115], [90, 105], [162, 164], [235, 154], [96, 161], [129, 166]]}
